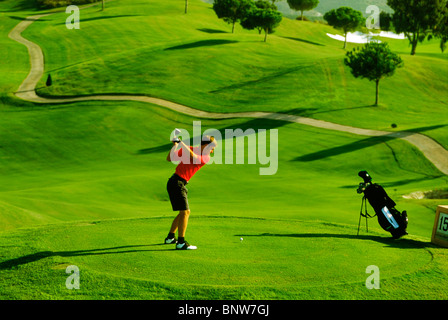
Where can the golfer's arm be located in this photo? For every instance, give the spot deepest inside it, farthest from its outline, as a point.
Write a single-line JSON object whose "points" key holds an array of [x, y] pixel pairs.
{"points": [[173, 149], [192, 154]]}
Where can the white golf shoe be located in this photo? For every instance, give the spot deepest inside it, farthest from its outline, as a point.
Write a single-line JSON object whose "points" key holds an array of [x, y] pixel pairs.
{"points": [[185, 246]]}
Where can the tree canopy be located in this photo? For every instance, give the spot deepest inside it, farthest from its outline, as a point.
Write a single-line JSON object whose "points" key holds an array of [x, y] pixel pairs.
{"points": [[262, 19], [441, 29], [232, 11], [416, 18], [303, 5], [385, 21], [374, 61], [345, 19]]}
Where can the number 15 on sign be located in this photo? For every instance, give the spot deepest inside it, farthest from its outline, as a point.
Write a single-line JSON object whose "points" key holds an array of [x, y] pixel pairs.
{"points": [[443, 223], [440, 229]]}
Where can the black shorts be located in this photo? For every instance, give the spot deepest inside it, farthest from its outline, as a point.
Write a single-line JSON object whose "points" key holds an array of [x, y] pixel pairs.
{"points": [[178, 193]]}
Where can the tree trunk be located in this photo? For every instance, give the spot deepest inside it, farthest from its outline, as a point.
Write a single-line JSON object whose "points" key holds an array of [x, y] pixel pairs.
{"points": [[302, 15], [414, 47], [345, 42], [414, 43], [186, 6], [377, 97], [102, 5], [233, 26], [265, 34], [49, 81]]}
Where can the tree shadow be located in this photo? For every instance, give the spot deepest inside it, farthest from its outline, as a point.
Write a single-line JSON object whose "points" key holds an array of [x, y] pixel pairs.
{"points": [[402, 243], [26, 19], [255, 124], [104, 17], [208, 30], [23, 91], [201, 43], [305, 41], [13, 263], [23, 5], [267, 78], [347, 148], [341, 109], [361, 144], [70, 65], [162, 148], [398, 183]]}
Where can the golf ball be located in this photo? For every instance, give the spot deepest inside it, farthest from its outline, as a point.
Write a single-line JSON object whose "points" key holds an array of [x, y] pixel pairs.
{"points": [[241, 239]]}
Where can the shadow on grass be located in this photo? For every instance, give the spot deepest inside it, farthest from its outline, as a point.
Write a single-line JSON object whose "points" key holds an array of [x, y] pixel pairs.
{"points": [[23, 5], [361, 144], [13, 263], [260, 123], [254, 124], [305, 41], [26, 19], [202, 43], [277, 74], [402, 243], [104, 17], [208, 30], [398, 183]]}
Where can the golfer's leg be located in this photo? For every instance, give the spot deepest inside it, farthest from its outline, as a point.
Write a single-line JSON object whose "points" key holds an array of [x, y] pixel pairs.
{"points": [[183, 222], [175, 224]]}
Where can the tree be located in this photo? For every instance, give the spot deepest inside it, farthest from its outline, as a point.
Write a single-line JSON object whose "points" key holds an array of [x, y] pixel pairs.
{"points": [[441, 29], [264, 4], [232, 11], [416, 18], [346, 19], [250, 21], [262, 19], [374, 61], [303, 5], [103, 4], [385, 21], [49, 81]]}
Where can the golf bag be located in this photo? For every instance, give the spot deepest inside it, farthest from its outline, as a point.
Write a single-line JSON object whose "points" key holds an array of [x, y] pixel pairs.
{"points": [[389, 218]]}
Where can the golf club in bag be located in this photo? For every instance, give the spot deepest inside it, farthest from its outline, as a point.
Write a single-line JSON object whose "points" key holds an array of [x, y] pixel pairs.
{"points": [[389, 218]]}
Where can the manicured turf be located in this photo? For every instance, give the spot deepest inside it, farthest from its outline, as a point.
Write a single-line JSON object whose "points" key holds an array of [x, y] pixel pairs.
{"points": [[194, 59], [300, 259], [84, 183], [112, 170]]}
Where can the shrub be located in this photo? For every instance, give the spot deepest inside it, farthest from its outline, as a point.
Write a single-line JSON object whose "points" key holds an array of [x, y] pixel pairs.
{"points": [[48, 4]]}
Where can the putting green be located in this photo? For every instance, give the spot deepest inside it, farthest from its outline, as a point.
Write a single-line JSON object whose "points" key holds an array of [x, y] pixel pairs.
{"points": [[273, 253]]}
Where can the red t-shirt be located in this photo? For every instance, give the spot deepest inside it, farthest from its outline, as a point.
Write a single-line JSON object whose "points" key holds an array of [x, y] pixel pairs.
{"points": [[191, 166]]}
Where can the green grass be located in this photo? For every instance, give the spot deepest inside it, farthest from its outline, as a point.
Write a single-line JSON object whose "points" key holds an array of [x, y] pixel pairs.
{"points": [[84, 183], [195, 60], [98, 201], [126, 255]]}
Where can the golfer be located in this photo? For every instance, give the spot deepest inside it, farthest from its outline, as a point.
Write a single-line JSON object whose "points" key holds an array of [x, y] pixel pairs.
{"points": [[191, 160]]}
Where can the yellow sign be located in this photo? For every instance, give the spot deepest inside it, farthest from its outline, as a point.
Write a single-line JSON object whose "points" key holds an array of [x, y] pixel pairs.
{"points": [[440, 230]]}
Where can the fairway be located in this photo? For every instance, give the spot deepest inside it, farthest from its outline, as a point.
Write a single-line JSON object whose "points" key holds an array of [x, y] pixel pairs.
{"points": [[321, 257], [83, 174]]}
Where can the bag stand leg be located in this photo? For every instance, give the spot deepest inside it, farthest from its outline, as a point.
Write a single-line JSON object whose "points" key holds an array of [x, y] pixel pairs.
{"points": [[363, 203]]}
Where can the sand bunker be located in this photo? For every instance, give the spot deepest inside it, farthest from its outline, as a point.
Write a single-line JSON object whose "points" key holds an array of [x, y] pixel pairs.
{"points": [[360, 37]]}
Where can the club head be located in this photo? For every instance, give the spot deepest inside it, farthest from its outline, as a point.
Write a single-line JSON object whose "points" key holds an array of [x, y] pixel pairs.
{"points": [[176, 131]]}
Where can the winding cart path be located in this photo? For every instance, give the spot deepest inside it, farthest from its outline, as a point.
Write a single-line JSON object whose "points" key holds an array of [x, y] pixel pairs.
{"points": [[432, 150]]}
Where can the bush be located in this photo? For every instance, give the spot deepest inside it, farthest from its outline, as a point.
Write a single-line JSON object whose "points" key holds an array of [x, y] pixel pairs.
{"points": [[48, 4]]}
